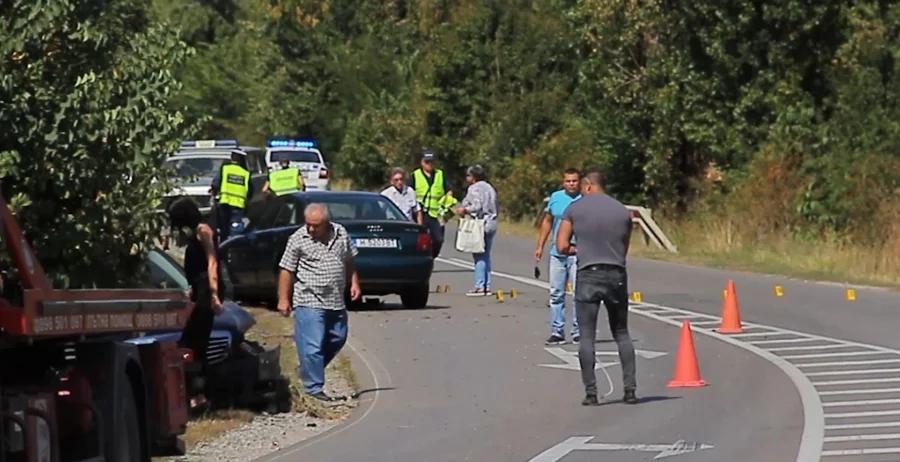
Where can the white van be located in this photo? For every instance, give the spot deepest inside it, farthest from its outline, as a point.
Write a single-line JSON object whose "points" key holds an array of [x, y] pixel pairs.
{"points": [[303, 155]]}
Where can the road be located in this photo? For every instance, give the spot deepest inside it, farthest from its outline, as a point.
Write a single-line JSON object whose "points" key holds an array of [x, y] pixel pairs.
{"points": [[814, 377]]}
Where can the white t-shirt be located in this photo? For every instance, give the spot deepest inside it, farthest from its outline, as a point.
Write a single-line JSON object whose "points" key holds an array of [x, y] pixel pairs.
{"points": [[405, 200]]}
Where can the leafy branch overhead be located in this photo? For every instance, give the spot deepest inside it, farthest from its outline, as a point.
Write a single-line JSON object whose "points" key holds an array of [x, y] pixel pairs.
{"points": [[87, 122], [787, 111]]}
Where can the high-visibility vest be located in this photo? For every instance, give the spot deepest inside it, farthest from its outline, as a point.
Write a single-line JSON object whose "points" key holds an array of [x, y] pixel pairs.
{"points": [[432, 203], [284, 181], [235, 185]]}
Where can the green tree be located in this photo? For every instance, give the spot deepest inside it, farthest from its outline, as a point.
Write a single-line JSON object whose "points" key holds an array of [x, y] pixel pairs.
{"points": [[86, 119]]}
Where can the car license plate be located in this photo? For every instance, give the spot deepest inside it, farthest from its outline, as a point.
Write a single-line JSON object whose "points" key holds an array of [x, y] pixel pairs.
{"points": [[375, 243]]}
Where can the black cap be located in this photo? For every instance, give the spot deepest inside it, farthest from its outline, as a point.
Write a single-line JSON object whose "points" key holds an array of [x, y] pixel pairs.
{"points": [[428, 155]]}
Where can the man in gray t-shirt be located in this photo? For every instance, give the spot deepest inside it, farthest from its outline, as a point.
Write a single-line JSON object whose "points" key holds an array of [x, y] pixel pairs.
{"points": [[603, 227]]}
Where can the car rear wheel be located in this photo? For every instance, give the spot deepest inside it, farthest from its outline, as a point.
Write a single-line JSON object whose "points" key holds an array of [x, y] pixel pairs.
{"points": [[415, 298]]}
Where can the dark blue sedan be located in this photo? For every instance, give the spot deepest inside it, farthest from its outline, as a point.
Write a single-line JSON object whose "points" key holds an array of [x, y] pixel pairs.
{"points": [[394, 252]]}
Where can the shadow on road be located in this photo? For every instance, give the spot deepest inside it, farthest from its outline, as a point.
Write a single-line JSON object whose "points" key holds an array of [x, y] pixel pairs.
{"points": [[640, 400], [371, 390], [382, 306]]}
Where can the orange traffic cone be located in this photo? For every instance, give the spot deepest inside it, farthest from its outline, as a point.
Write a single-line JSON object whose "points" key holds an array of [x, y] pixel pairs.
{"points": [[731, 314], [687, 371]]}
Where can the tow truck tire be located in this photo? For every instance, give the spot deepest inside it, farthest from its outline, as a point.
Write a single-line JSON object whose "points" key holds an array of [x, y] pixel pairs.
{"points": [[128, 444]]}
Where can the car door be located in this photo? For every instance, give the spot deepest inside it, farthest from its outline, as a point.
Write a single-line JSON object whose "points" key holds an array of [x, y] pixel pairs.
{"points": [[239, 252], [269, 244]]}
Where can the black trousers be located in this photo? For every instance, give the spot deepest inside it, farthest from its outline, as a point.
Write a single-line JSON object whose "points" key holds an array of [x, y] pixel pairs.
{"points": [[606, 284], [437, 234], [200, 322]]}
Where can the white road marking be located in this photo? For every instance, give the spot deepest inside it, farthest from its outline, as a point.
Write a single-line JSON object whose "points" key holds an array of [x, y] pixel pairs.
{"points": [[813, 347], [778, 340], [580, 443], [863, 425], [854, 372], [865, 391], [858, 381], [834, 355], [866, 402], [850, 363], [755, 339], [861, 452], [570, 358]]}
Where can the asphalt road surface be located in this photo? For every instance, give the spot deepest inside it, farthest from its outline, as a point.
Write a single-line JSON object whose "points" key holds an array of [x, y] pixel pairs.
{"points": [[813, 377]]}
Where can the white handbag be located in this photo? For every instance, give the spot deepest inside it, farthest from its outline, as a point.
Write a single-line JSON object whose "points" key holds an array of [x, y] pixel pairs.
{"points": [[470, 235]]}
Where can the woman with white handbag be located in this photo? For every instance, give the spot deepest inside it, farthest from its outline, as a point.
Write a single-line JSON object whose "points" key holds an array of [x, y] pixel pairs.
{"points": [[478, 213]]}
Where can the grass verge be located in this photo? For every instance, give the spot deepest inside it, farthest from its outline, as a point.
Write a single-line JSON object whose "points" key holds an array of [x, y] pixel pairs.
{"points": [[722, 243], [272, 328], [718, 246]]}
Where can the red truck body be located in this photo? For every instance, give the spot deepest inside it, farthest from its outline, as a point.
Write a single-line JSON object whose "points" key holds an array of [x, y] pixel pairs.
{"points": [[71, 387]]}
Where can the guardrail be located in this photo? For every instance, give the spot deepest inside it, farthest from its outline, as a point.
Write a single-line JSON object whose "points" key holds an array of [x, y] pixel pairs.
{"points": [[642, 217]]}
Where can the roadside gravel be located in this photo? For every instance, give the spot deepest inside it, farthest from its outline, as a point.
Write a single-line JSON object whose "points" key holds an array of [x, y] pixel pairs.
{"points": [[249, 438], [269, 433]]}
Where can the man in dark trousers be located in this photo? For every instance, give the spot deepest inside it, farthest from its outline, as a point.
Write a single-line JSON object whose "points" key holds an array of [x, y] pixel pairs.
{"points": [[434, 193], [603, 227]]}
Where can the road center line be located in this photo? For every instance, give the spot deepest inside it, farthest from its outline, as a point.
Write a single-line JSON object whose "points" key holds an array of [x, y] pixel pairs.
{"points": [[813, 415]]}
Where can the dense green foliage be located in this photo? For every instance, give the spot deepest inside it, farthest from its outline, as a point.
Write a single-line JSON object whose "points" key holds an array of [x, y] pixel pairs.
{"points": [[84, 89], [664, 95], [783, 111]]}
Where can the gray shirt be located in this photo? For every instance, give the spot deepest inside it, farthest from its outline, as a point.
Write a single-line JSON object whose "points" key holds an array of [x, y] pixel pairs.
{"points": [[320, 269], [603, 228], [481, 202]]}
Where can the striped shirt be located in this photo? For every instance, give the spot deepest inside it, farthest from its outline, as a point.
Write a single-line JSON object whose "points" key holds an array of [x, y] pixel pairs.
{"points": [[320, 269]]}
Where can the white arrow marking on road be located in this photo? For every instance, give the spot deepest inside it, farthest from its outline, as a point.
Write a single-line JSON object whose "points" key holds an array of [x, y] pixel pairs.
{"points": [[646, 354], [580, 443], [570, 358]]}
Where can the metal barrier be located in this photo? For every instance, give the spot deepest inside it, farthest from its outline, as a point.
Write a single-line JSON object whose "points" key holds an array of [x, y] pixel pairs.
{"points": [[642, 217]]}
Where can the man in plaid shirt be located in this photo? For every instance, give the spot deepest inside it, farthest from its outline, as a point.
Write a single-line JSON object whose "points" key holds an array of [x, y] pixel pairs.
{"points": [[317, 262]]}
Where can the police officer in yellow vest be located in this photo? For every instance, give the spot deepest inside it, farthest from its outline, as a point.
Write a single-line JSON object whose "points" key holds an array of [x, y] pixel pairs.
{"points": [[232, 188], [434, 193], [285, 180]]}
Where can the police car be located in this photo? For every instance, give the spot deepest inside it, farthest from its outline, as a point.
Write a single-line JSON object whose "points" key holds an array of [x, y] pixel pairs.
{"points": [[199, 161], [305, 156]]}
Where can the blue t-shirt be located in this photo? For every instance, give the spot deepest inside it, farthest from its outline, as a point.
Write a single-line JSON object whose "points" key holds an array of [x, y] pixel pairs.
{"points": [[559, 202]]}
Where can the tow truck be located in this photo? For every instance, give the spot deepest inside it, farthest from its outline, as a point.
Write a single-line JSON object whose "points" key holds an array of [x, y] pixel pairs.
{"points": [[72, 387]]}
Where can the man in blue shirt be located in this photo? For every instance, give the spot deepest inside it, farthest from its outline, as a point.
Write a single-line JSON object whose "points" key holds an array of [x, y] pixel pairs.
{"points": [[562, 267]]}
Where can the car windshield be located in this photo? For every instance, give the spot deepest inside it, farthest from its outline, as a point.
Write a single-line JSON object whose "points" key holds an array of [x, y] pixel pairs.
{"points": [[204, 167], [296, 156], [165, 273], [362, 208]]}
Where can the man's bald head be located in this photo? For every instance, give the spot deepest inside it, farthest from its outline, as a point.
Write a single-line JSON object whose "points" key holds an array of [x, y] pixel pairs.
{"points": [[317, 219], [317, 212]]}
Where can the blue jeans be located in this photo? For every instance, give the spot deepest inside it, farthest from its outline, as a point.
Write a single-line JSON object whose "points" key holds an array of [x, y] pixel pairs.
{"points": [[319, 334], [483, 262], [562, 270]]}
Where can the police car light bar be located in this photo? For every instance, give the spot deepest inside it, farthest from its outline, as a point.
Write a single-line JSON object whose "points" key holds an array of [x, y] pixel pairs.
{"points": [[210, 144], [289, 143]]}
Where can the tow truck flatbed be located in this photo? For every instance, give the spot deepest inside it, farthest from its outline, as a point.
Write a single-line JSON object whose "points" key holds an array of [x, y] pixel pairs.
{"points": [[48, 312]]}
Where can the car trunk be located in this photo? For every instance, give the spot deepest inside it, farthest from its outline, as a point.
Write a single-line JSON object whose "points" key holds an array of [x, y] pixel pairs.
{"points": [[310, 169], [387, 237]]}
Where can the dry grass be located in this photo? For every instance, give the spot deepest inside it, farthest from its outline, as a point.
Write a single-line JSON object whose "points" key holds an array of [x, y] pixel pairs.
{"points": [[719, 244], [272, 328]]}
